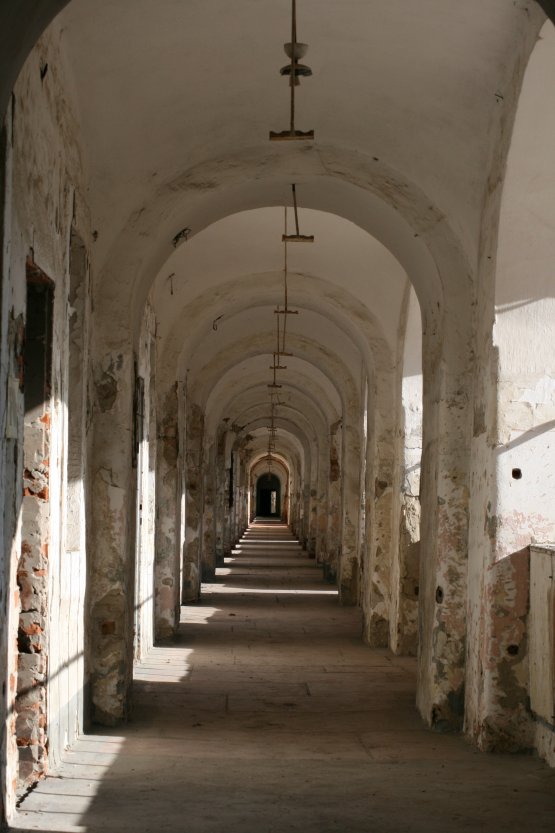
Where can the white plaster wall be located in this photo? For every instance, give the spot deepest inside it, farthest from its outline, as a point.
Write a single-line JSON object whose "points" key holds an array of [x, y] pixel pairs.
{"points": [[524, 332], [520, 509], [525, 308]]}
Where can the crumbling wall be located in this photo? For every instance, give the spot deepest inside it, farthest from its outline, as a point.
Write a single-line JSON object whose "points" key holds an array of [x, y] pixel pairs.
{"points": [[513, 443], [444, 526], [33, 570], [111, 533], [381, 507], [44, 208]]}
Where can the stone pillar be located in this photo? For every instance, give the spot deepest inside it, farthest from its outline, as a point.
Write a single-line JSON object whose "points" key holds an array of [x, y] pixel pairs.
{"points": [[307, 515], [333, 530], [229, 502], [444, 529], [380, 512], [220, 500], [286, 502], [208, 556], [234, 508], [242, 517], [383, 538], [313, 519], [296, 502], [349, 555], [405, 635], [193, 502], [322, 505], [168, 508], [252, 492], [110, 538]]}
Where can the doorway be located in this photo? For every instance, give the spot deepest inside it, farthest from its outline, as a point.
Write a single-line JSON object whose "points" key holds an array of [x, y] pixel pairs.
{"points": [[268, 496]]}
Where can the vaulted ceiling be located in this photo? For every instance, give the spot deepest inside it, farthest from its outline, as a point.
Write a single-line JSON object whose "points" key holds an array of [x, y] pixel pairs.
{"points": [[409, 102]]}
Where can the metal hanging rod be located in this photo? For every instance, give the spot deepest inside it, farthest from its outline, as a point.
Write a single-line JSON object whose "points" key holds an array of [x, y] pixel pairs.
{"points": [[297, 237], [295, 71], [277, 366]]}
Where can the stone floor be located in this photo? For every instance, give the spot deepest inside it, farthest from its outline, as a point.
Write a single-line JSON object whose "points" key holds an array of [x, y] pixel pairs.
{"points": [[269, 714]]}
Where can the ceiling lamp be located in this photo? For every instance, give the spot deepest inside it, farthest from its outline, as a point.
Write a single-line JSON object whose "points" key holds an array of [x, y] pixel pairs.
{"points": [[294, 71]]}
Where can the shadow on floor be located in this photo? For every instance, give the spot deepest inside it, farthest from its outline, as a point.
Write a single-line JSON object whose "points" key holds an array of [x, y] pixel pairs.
{"points": [[269, 714]]}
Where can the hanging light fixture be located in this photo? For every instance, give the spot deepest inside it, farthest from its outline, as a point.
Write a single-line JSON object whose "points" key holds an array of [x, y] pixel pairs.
{"points": [[286, 309], [294, 71]]}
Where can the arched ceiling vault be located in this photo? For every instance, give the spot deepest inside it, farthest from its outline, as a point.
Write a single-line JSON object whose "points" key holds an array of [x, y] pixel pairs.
{"points": [[237, 263], [238, 409], [425, 255], [293, 422], [304, 424], [336, 338], [212, 334], [175, 111], [250, 379], [18, 33], [317, 409], [249, 356], [294, 435], [290, 455], [184, 69], [289, 434], [290, 440], [175, 101], [341, 325]]}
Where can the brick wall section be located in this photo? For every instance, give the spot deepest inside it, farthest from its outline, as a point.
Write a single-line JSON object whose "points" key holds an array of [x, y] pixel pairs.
{"points": [[32, 577], [32, 572]]}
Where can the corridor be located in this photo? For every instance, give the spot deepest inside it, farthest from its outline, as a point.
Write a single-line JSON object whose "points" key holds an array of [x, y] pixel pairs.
{"points": [[270, 714]]}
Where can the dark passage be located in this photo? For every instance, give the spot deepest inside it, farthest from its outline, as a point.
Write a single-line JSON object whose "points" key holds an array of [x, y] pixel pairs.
{"points": [[268, 496]]}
